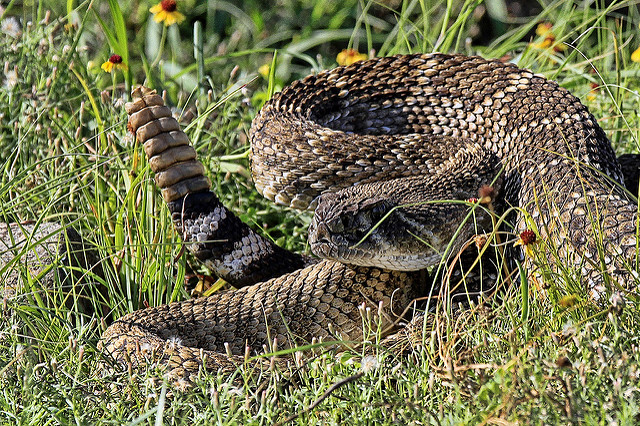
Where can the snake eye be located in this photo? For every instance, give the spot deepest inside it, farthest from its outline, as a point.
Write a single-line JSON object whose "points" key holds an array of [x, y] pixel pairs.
{"points": [[375, 211], [369, 215], [379, 211], [337, 224]]}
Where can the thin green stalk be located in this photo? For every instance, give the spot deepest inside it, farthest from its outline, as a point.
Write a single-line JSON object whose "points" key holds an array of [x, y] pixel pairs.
{"points": [[163, 38], [198, 54]]}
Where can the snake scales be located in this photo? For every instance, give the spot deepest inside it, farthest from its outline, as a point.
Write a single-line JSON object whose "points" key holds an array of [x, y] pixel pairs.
{"points": [[375, 145]]}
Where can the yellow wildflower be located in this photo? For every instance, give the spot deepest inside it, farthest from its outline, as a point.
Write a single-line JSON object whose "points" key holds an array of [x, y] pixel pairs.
{"points": [[527, 239], [545, 30], [568, 300], [264, 70], [541, 45], [593, 92], [635, 56], [114, 62], [166, 11], [349, 56]]}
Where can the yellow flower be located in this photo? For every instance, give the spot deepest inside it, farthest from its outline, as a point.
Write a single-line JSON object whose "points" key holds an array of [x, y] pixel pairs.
{"points": [[349, 56], [264, 70], [166, 11], [114, 62], [527, 239], [545, 30], [544, 44], [593, 92], [635, 56], [568, 300]]}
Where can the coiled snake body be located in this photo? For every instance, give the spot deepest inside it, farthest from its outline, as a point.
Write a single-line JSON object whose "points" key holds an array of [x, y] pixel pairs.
{"points": [[377, 146]]}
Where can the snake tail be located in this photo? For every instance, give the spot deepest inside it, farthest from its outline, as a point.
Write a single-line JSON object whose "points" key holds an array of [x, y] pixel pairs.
{"points": [[214, 234]]}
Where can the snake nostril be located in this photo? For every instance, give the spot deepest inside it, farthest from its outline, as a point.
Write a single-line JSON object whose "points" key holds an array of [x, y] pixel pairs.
{"points": [[319, 233]]}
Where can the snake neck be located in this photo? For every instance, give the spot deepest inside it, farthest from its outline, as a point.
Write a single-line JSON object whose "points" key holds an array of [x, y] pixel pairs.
{"points": [[211, 232]]}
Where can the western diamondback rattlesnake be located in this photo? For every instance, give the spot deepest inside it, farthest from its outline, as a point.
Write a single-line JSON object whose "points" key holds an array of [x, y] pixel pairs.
{"points": [[379, 142]]}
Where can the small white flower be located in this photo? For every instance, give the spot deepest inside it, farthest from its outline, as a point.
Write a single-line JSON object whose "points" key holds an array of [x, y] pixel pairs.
{"points": [[234, 390], [617, 302], [182, 385], [369, 363], [146, 347], [11, 27], [174, 342], [231, 389], [569, 329], [118, 103], [10, 79]]}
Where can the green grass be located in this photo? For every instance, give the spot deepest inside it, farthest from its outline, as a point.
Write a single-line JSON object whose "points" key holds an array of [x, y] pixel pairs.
{"points": [[66, 157]]}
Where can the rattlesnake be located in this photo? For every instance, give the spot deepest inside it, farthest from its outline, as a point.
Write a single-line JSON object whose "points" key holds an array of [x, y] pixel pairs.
{"points": [[432, 127]]}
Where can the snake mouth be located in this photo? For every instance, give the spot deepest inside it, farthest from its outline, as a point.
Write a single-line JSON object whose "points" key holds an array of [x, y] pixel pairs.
{"points": [[367, 252], [328, 244], [355, 256], [322, 242]]}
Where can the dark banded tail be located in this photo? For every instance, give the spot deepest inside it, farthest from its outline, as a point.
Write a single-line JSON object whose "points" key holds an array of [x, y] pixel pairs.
{"points": [[215, 235]]}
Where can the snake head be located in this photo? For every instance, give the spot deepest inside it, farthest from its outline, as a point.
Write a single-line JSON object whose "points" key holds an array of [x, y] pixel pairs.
{"points": [[376, 225]]}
